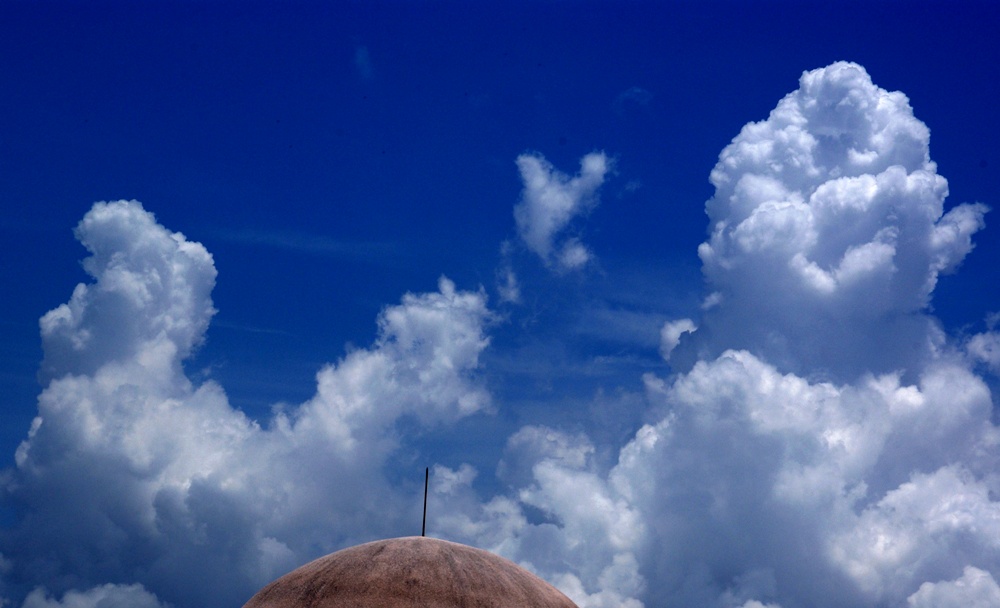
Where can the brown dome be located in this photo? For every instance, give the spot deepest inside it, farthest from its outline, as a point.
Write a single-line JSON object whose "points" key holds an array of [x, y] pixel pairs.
{"points": [[410, 572]]}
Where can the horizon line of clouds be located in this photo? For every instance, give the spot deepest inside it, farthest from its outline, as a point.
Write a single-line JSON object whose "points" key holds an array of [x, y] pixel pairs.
{"points": [[121, 427], [761, 486]]}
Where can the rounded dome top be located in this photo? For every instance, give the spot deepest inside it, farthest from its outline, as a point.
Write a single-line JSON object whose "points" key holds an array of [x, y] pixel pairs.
{"points": [[410, 572]]}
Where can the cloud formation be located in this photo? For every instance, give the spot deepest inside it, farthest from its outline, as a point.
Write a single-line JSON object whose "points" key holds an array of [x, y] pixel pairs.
{"points": [[819, 439], [549, 202], [131, 475], [828, 233], [104, 596], [585, 539], [826, 444], [985, 347], [670, 335]]}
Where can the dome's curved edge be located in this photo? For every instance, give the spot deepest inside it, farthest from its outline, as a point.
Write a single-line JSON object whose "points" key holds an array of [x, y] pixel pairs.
{"points": [[409, 571]]}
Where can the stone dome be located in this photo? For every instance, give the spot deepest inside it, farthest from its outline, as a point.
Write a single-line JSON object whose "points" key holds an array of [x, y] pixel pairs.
{"points": [[410, 572]]}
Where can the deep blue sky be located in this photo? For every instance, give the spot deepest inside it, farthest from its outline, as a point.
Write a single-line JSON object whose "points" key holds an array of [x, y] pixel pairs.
{"points": [[334, 156]]}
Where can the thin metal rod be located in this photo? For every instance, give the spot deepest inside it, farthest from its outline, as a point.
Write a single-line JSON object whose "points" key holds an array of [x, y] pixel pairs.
{"points": [[427, 478]]}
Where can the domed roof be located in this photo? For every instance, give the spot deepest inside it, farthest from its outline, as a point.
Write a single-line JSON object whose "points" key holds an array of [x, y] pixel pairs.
{"points": [[410, 572]]}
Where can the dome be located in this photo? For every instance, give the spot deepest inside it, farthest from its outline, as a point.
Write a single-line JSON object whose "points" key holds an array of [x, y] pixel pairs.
{"points": [[410, 572]]}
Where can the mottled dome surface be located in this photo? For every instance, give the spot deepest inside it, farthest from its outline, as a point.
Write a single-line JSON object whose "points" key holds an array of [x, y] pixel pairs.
{"points": [[410, 572]]}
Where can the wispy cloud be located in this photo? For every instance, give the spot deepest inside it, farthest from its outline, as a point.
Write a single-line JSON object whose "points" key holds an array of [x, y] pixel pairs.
{"points": [[378, 253], [631, 99], [550, 201], [363, 63], [121, 426]]}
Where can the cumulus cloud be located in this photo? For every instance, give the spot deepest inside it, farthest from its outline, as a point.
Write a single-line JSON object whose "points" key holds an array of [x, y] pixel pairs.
{"points": [[829, 231], [151, 302], [549, 202], [104, 596], [825, 444], [138, 482], [843, 495], [974, 589], [756, 488], [584, 538], [985, 347]]}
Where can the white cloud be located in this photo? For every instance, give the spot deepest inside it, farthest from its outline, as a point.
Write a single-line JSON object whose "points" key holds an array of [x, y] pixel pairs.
{"points": [[670, 335], [920, 531], [152, 302], [761, 484], [825, 444], [974, 589], [829, 231], [585, 541], [820, 485], [416, 368], [133, 474], [985, 347], [828, 234], [549, 203], [507, 284], [510, 289], [104, 596]]}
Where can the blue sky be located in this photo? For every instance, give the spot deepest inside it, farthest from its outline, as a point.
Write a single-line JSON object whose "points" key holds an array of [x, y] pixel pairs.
{"points": [[333, 158]]}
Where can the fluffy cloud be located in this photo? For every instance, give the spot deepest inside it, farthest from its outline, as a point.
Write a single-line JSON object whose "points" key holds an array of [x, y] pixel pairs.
{"points": [[827, 237], [131, 475], [549, 202], [814, 493], [756, 488], [828, 233], [824, 443], [670, 335], [985, 347], [821, 441], [104, 596], [152, 301], [974, 589], [564, 520]]}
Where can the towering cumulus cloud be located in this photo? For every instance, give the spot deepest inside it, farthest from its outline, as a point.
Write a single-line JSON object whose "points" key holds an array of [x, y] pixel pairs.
{"points": [[828, 233], [141, 488], [876, 486], [826, 443]]}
